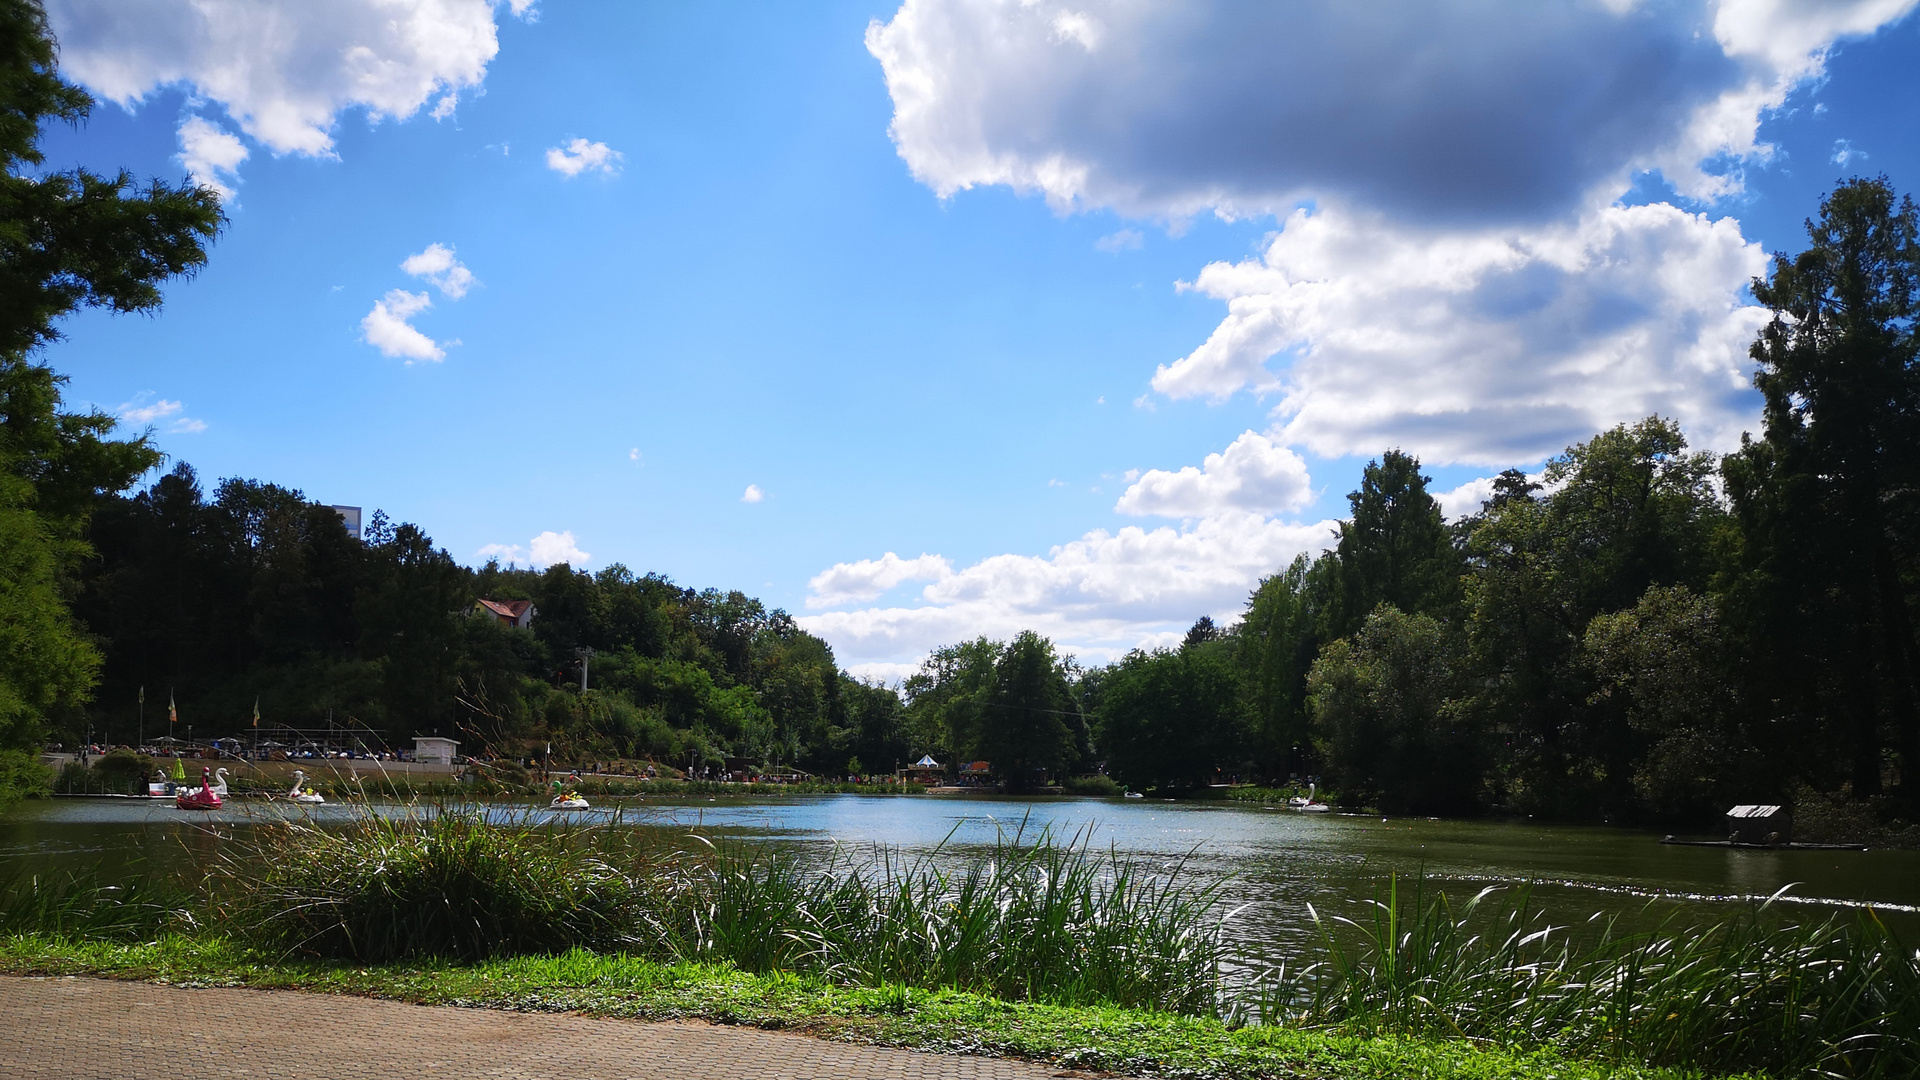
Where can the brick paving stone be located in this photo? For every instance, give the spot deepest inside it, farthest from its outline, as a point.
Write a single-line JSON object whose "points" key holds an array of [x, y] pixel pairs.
{"points": [[97, 1029]]}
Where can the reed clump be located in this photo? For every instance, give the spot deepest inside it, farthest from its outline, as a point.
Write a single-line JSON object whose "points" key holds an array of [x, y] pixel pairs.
{"points": [[1024, 920], [444, 884], [79, 905], [1756, 992]]}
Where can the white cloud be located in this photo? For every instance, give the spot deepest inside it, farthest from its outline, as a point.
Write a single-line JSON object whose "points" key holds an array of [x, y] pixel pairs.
{"points": [[581, 156], [211, 155], [1098, 596], [1465, 500], [753, 494], [633, 454], [548, 549], [282, 69], [1252, 474], [868, 579], [551, 548], [1115, 243], [147, 414], [140, 411], [1844, 154], [437, 265], [1489, 346], [524, 9], [386, 327], [1456, 110]]}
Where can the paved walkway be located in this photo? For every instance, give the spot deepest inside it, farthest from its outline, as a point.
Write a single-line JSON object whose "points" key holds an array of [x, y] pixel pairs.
{"points": [[95, 1029]]}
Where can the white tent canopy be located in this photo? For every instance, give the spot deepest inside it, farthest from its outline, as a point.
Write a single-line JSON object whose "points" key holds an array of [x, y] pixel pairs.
{"points": [[926, 762]]}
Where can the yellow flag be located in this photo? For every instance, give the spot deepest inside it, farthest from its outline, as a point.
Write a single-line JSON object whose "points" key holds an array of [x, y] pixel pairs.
{"points": [[173, 714], [256, 712]]}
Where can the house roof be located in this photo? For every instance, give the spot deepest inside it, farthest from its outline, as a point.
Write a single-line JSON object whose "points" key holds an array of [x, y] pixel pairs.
{"points": [[510, 609]]}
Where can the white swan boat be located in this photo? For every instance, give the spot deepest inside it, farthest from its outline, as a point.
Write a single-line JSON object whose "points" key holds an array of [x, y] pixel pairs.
{"points": [[302, 794], [1307, 805], [569, 801]]}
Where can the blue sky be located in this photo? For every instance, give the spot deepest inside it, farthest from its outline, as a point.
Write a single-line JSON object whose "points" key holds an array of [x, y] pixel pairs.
{"points": [[952, 280]]}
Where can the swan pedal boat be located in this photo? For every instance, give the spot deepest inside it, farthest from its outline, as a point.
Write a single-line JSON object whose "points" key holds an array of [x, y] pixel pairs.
{"points": [[300, 793], [569, 802], [204, 797]]}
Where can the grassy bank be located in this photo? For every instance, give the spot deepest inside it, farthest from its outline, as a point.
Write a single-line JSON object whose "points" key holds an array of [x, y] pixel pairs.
{"points": [[1130, 1041], [1030, 936]]}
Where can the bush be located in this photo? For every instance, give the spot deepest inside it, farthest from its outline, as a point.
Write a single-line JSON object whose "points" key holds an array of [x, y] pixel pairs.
{"points": [[22, 776], [1097, 784]]}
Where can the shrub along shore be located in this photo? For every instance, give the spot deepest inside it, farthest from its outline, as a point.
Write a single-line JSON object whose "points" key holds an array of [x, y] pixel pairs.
{"points": [[1034, 948]]}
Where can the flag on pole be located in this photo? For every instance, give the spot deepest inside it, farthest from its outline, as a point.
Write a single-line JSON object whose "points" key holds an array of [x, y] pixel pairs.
{"points": [[143, 694], [256, 712], [173, 714]]}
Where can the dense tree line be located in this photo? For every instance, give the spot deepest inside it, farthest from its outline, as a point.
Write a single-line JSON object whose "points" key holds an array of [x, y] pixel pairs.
{"points": [[253, 594]]}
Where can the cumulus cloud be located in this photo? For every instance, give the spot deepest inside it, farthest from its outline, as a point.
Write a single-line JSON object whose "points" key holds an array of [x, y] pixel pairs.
{"points": [[548, 549], [581, 156], [753, 494], [1099, 596], [211, 155], [387, 327], [1465, 500], [282, 69], [868, 579], [1251, 474], [1487, 346], [437, 265], [144, 412], [1115, 243], [1456, 111]]}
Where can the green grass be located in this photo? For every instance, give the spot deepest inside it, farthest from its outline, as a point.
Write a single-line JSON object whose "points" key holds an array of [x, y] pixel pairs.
{"points": [[1130, 1041]]}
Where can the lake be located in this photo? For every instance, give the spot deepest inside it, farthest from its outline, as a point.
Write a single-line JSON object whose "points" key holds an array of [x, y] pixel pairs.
{"points": [[1275, 862]]}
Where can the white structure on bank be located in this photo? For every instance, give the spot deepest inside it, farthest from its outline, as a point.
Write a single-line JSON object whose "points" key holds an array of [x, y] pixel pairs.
{"points": [[433, 748]]}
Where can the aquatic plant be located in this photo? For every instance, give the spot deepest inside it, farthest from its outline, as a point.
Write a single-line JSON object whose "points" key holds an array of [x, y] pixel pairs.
{"points": [[1026, 919], [77, 905], [1756, 992], [431, 884]]}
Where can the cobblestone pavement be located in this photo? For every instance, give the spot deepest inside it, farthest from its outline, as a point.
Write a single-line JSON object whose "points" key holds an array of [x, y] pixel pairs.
{"points": [[95, 1029]]}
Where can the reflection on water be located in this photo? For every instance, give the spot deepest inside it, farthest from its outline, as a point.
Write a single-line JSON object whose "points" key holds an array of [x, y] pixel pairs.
{"points": [[1275, 861]]}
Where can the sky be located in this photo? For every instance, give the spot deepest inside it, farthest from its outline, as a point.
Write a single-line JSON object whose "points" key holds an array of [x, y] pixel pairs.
{"points": [[956, 317]]}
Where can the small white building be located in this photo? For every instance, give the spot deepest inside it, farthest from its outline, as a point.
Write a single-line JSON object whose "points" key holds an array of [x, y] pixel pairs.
{"points": [[435, 749]]}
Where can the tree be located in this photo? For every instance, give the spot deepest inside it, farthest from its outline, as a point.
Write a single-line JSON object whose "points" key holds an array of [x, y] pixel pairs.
{"points": [[1169, 719], [1665, 666], [1627, 510], [1278, 638], [1396, 548], [1829, 498], [1025, 727], [1388, 705], [67, 240], [946, 697]]}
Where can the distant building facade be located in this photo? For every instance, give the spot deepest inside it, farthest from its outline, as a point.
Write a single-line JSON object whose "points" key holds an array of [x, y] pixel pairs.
{"points": [[518, 613], [350, 517]]}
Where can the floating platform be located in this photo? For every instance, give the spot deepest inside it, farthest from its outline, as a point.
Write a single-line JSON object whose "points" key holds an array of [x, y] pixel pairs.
{"points": [[1761, 847]]}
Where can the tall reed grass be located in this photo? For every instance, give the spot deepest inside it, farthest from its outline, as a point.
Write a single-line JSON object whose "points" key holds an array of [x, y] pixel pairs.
{"points": [[1026, 919], [1756, 992], [78, 905]]}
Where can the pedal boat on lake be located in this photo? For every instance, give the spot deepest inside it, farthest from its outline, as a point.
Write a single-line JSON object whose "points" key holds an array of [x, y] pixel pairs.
{"points": [[203, 797]]}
